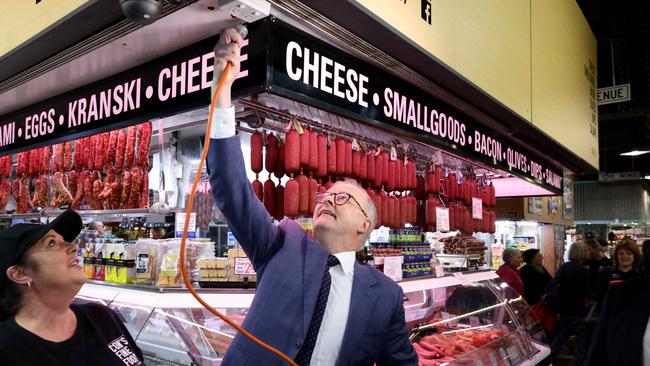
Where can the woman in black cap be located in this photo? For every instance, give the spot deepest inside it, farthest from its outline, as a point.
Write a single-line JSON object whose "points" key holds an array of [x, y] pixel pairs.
{"points": [[40, 276]]}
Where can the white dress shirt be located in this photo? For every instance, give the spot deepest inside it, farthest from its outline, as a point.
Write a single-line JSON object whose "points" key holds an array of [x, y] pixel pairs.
{"points": [[335, 319], [646, 345]]}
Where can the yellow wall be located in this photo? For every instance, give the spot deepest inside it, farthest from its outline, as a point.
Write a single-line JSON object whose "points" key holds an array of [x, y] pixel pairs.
{"points": [[525, 54], [21, 20], [564, 67]]}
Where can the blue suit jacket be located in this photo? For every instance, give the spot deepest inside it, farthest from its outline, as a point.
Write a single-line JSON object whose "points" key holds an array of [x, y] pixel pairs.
{"points": [[289, 269]]}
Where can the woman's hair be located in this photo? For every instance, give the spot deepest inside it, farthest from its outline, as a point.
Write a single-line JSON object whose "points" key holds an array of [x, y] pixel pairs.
{"points": [[11, 296], [508, 254], [529, 255], [577, 252], [627, 244]]}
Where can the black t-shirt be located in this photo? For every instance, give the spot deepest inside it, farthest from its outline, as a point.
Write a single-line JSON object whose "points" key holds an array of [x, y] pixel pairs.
{"points": [[99, 340]]}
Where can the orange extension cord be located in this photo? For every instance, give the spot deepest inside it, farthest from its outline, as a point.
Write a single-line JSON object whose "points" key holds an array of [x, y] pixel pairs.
{"points": [[186, 277]]}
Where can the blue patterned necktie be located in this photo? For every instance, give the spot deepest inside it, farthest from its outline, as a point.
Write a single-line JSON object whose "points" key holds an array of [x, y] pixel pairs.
{"points": [[304, 355]]}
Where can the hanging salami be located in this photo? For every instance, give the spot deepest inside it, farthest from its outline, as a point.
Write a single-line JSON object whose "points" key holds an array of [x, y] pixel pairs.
{"points": [[292, 153], [321, 142], [291, 198], [256, 152], [269, 197], [271, 156], [145, 131]]}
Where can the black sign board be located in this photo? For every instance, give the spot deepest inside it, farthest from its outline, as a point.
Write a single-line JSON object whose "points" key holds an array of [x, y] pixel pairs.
{"points": [[281, 60], [305, 68], [165, 86]]}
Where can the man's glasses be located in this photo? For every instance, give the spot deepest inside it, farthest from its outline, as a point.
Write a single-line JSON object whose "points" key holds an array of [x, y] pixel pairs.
{"points": [[340, 199]]}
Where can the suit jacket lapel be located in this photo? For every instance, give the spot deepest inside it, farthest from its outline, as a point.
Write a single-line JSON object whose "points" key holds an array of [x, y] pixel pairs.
{"points": [[363, 298], [315, 261]]}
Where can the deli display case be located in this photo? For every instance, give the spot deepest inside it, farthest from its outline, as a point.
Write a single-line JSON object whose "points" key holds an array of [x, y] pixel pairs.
{"points": [[470, 318]]}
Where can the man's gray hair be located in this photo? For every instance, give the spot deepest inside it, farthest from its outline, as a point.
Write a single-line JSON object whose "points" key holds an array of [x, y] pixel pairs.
{"points": [[577, 252], [509, 254], [369, 207]]}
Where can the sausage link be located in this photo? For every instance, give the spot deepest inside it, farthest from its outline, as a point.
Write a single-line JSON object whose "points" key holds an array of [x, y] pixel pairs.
{"points": [[279, 202], [144, 132], [256, 152], [269, 197], [313, 188], [271, 156], [291, 198], [258, 189], [331, 156], [348, 158], [303, 192], [313, 152], [292, 153], [120, 150], [340, 156], [279, 166], [321, 142], [129, 159], [304, 148]]}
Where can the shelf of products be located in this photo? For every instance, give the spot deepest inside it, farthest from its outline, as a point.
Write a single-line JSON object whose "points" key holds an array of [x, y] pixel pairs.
{"points": [[460, 319]]}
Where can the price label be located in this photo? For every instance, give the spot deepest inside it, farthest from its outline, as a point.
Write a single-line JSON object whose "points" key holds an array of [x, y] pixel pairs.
{"points": [[442, 219], [180, 224], [477, 208], [231, 239], [474, 321], [393, 267], [440, 271], [244, 267]]}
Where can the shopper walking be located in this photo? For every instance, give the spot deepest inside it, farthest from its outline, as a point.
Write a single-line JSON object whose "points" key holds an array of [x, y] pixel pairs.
{"points": [[573, 279], [534, 276], [314, 301], [622, 335], [509, 270], [40, 276]]}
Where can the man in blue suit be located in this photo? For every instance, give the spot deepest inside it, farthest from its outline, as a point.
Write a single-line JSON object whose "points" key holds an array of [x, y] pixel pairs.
{"points": [[314, 301]]}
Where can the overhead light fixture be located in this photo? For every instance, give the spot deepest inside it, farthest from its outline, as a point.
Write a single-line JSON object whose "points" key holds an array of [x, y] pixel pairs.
{"points": [[635, 153]]}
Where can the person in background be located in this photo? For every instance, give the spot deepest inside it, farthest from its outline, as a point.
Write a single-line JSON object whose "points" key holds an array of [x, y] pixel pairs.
{"points": [[509, 270], [40, 275], [573, 278], [97, 226], [644, 249], [534, 276], [622, 335], [597, 263], [626, 257]]}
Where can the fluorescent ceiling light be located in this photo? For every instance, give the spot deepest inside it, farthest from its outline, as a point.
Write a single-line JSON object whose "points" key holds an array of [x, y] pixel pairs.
{"points": [[635, 153]]}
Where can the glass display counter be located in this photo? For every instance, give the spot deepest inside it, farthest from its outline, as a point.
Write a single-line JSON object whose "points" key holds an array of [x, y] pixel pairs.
{"points": [[464, 318]]}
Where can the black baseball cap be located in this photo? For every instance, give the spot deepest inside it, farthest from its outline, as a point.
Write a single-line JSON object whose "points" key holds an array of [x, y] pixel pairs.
{"points": [[15, 240]]}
